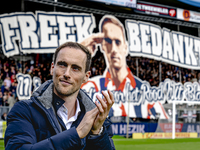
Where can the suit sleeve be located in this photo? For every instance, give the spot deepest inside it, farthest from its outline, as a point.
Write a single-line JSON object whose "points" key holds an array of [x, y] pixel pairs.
{"points": [[20, 133], [103, 141]]}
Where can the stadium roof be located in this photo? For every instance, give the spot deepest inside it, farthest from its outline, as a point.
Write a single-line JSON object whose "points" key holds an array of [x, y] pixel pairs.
{"points": [[7, 6], [99, 8]]}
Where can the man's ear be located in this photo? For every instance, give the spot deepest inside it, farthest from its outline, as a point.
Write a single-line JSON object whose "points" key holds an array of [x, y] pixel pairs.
{"points": [[52, 66], [126, 48], [87, 75]]}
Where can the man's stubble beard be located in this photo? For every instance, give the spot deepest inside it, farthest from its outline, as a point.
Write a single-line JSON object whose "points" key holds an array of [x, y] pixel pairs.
{"points": [[65, 94]]}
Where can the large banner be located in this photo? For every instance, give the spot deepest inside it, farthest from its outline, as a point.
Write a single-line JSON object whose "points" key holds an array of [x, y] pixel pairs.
{"points": [[45, 31]]}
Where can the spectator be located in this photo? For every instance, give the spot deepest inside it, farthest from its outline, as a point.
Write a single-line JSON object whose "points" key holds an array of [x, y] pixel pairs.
{"points": [[26, 70], [13, 78], [4, 116], [1, 65], [198, 78], [5, 98], [19, 65], [8, 82], [11, 100], [1, 80], [3, 88], [1, 98], [12, 70], [5, 72]]}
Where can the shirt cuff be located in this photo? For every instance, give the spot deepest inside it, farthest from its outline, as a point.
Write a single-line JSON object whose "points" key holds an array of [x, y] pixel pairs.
{"points": [[100, 132]]}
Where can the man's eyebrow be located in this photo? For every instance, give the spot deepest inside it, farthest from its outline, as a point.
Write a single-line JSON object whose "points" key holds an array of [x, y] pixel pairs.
{"points": [[74, 65], [61, 62], [64, 63]]}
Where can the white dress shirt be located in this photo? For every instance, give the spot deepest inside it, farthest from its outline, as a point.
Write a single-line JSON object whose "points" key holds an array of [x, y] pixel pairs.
{"points": [[63, 114]]}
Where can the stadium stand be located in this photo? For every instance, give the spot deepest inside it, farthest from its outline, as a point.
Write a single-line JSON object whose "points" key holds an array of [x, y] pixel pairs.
{"points": [[148, 70]]}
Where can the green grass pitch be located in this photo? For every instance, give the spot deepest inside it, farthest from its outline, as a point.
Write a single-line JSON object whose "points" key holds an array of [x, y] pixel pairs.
{"points": [[122, 143], [2, 145]]}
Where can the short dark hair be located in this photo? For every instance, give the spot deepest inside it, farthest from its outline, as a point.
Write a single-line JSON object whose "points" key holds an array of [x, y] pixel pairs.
{"points": [[76, 46], [114, 20]]}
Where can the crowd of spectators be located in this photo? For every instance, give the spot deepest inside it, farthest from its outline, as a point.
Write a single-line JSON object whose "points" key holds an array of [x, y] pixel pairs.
{"points": [[10, 67], [155, 71], [146, 69]]}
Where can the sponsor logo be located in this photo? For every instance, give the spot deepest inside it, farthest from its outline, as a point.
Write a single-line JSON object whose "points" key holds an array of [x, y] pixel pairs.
{"points": [[167, 127], [172, 12], [154, 9], [186, 15], [121, 129]]}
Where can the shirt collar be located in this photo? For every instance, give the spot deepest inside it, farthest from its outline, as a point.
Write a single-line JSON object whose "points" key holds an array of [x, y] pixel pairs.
{"points": [[78, 108], [58, 102], [63, 114]]}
